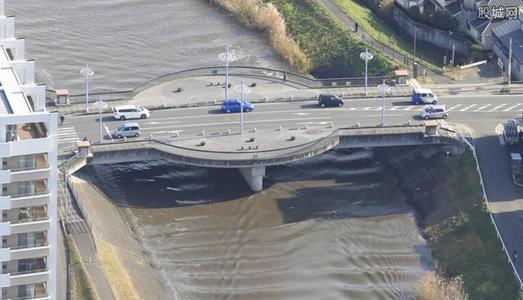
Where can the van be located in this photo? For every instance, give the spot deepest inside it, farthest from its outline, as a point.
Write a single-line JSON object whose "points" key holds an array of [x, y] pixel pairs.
{"points": [[423, 96], [127, 130], [325, 100], [124, 112]]}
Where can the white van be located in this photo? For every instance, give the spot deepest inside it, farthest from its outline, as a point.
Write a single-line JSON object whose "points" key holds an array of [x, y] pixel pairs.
{"points": [[423, 96], [127, 130], [124, 112]]}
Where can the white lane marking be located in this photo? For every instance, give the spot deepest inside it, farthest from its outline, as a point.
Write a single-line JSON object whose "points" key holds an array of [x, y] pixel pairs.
{"points": [[468, 107], [497, 107], [454, 107], [353, 108], [66, 129], [69, 139], [482, 107], [386, 115], [236, 122], [108, 132], [512, 107], [301, 114], [396, 108], [409, 108]]}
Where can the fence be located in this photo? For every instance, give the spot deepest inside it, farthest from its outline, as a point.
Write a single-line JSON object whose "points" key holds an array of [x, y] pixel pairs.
{"points": [[473, 149]]}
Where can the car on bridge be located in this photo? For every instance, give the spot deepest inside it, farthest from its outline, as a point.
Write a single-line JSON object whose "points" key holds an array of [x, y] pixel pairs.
{"points": [[124, 112], [325, 100], [434, 112], [127, 130], [234, 105]]}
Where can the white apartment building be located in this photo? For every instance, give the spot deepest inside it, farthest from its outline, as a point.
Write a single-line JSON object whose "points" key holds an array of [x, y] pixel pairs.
{"points": [[28, 176]]}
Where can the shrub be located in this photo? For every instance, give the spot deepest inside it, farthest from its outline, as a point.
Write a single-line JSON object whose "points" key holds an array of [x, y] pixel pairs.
{"points": [[434, 287], [264, 16]]}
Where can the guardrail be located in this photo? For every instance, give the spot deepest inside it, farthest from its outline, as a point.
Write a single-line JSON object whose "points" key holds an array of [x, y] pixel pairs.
{"points": [[473, 149]]}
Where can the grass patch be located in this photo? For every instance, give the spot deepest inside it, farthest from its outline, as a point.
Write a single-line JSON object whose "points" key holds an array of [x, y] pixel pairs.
{"points": [[332, 49], [120, 281], [434, 287], [465, 244], [265, 17], [380, 31], [81, 285]]}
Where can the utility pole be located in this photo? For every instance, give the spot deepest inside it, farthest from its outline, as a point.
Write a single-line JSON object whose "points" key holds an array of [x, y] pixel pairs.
{"points": [[453, 51], [509, 60]]}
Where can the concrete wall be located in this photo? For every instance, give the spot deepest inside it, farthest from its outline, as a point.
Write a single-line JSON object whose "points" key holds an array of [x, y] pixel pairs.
{"points": [[428, 34]]}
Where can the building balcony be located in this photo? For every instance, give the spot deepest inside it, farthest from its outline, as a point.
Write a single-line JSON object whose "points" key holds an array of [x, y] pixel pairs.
{"points": [[23, 278], [30, 200], [25, 147], [24, 174], [24, 252], [24, 226], [29, 277]]}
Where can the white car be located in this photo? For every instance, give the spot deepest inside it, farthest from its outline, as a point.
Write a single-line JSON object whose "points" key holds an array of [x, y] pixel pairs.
{"points": [[125, 112], [434, 112]]}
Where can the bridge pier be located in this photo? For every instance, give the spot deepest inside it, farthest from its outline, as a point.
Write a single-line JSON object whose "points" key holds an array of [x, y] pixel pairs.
{"points": [[254, 177]]}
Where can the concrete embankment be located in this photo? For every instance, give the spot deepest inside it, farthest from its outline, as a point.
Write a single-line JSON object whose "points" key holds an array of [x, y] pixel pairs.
{"points": [[120, 255]]}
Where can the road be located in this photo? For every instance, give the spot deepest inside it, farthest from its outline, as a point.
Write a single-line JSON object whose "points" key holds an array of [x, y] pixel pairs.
{"points": [[481, 113]]}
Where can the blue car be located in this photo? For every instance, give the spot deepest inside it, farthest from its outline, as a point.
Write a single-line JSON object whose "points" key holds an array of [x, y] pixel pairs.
{"points": [[234, 105]]}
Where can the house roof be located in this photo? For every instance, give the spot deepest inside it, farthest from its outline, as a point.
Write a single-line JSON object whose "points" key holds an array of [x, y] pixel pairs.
{"points": [[505, 3], [510, 29], [454, 8], [476, 23]]}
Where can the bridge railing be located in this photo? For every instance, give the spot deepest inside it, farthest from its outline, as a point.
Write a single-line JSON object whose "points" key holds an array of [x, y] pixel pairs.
{"points": [[504, 247]]}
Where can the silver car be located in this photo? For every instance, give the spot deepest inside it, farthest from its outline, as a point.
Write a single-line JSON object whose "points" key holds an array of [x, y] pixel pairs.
{"points": [[127, 130], [434, 112]]}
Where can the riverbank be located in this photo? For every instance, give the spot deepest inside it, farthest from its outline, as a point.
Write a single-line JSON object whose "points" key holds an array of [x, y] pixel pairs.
{"points": [[446, 194], [443, 190]]}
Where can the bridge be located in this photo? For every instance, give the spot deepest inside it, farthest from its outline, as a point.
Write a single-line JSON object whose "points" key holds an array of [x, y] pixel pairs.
{"points": [[251, 152]]}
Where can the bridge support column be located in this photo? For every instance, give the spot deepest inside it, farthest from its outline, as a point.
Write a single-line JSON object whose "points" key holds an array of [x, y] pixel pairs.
{"points": [[254, 177]]}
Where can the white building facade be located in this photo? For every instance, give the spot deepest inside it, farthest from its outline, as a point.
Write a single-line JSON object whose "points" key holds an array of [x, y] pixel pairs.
{"points": [[28, 176]]}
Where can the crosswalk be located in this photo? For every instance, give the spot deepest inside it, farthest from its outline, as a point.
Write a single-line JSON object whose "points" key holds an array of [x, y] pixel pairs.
{"points": [[502, 107], [67, 138]]}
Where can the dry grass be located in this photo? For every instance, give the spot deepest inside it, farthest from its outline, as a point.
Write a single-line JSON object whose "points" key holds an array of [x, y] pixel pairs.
{"points": [[264, 16], [81, 284], [120, 281], [434, 287]]}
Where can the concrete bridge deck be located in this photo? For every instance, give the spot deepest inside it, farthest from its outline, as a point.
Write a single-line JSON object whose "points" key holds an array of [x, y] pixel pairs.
{"points": [[252, 151]]}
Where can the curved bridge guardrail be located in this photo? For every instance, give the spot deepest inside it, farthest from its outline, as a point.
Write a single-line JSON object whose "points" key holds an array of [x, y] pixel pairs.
{"points": [[359, 137]]}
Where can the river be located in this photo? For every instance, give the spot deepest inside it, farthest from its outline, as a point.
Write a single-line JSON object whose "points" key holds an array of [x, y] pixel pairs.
{"points": [[332, 227], [128, 42]]}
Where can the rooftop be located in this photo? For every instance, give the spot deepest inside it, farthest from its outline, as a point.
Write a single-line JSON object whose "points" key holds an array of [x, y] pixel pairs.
{"points": [[13, 99], [510, 29]]}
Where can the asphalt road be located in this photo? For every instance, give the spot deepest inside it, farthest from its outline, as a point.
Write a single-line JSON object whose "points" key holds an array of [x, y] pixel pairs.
{"points": [[481, 113]]}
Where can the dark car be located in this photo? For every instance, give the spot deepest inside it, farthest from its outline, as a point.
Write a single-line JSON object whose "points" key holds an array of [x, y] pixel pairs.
{"points": [[233, 105], [325, 100]]}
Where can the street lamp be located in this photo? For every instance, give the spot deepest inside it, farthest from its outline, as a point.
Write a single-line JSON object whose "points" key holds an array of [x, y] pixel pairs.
{"points": [[366, 56], [226, 57], [88, 72], [242, 89], [384, 89], [101, 106]]}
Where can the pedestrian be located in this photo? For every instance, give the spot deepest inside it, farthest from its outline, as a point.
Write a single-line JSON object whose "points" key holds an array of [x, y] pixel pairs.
{"points": [[284, 76], [520, 135], [514, 256], [62, 118], [355, 26]]}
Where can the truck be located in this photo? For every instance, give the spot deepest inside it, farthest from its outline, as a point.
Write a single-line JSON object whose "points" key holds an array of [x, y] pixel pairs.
{"points": [[511, 132]]}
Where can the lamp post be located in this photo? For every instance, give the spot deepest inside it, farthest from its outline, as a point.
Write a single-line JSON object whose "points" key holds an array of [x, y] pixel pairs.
{"points": [[509, 60], [101, 106], [242, 89], [226, 57], [366, 56], [384, 88], [88, 72]]}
